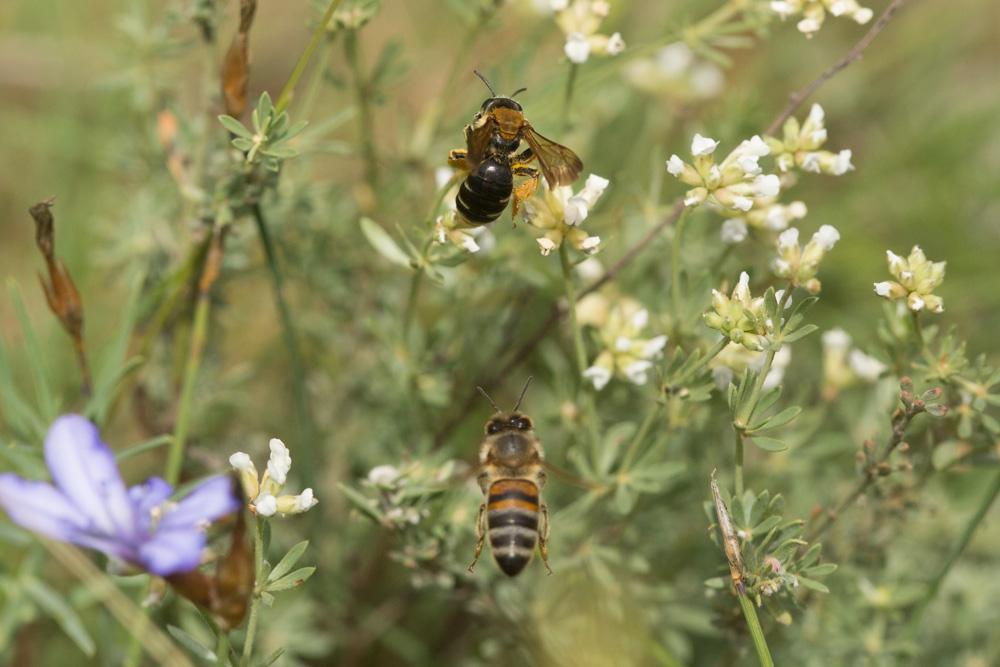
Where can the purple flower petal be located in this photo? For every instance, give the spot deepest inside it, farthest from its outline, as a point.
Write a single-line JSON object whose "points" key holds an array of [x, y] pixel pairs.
{"points": [[210, 500], [84, 469], [145, 497], [171, 551], [41, 508]]}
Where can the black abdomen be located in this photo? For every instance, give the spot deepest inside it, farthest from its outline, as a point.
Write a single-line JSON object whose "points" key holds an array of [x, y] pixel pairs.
{"points": [[485, 192], [512, 519]]}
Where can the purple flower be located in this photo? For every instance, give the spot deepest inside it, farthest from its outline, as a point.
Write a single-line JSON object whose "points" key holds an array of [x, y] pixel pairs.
{"points": [[90, 506]]}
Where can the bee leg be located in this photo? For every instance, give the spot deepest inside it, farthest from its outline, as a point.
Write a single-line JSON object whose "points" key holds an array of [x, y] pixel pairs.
{"points": [[480, 535], [457, 158], [527, 155], [525, 190], [543, 536]]}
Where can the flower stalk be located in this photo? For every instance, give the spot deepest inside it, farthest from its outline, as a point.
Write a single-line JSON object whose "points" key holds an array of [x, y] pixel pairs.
{"points": [[285, 97], [258, 568]]}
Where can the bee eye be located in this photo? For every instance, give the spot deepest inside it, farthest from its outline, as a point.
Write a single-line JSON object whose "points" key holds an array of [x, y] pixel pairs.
{"points": [[522, 424], [494, 427]]}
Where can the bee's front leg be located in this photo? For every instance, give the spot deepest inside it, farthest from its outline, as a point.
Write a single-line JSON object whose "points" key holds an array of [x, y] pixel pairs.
{"points": [[525, 190], [543, 535], [457, 158], [480, 535]]}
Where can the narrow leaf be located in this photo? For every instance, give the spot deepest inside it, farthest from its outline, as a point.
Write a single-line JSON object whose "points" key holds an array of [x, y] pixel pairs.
{"points": [[54, 606], [383, 243], [296, 578], [288, 561], [769, 444]]}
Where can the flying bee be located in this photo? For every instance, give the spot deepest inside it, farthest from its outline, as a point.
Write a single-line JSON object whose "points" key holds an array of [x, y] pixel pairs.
{"points": [[511, 476], [492, 160]]}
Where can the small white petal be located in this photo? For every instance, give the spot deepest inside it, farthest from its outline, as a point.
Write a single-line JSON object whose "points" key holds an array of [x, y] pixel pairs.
{"points": [[598, 375], [441, 176], [807, 26], [810, 163], [797, 209], [674, 59], [280, 461], [242, 462], [675, 165], [733, 231], [827, 236], [836, 339], [863, 15], [636, 372], [546, 245], [703, 145], [616, 44], [558, 5], [640, 319], [883, 288], [575, 210], [788, 239], [842, 164], [654, 346], [305, 500], [767, 185], [748, 164], [577, 48], [623, 344], [816, 115], [266, 504], [469, 243], [383, 475], [596, 184], [864, 366], [915, 302], [741, 203], [782, 8], [590, 244]]}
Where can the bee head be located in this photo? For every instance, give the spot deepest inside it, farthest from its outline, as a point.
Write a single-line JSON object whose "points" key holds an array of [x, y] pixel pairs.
{"points": [[493, 103], [508, 421]]}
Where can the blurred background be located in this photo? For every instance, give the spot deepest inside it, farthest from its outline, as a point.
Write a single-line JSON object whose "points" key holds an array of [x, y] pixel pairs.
{"points": [[82, 86]]}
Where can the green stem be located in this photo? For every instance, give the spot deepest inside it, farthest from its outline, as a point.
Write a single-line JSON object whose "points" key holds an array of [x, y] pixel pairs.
{"points": [[196, 349], [738, 463], [640, 436], [306, 423], [756, 632], [285, 97], [258, 563], [568, 98], [579, 348], [362, 94], [411, 302], [675, 267], [222, 649], [956, 552], [703, 28]]}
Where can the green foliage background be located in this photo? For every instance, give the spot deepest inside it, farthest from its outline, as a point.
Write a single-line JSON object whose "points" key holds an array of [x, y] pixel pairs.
{"points": [[80, 85]]}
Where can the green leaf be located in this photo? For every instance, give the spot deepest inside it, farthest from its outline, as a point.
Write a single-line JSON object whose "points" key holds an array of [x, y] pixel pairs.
{"points": [[148, 445], [47, 402], [296, 578], [383, 243], [768, 444], [366, 505], [288, 561], [196, 648], [813, 585], [781, 419], [20, 416], [821, 570], [273, 658], [801, 332], [235, 126], [242, 144], [62, 613], [280, 152], [113, 366]]}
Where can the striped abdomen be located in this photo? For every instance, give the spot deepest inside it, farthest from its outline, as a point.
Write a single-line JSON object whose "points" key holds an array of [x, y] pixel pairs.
{"points": [[486, 191], [512, 519]]}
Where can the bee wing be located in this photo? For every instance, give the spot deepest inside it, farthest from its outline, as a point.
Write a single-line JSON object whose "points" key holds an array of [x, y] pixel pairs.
{"points": [[477, 139], [560, 165], [572, 478]]}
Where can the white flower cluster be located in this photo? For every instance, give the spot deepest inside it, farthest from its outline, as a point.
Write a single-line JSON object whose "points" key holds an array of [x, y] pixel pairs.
{"points": [[677, 72], [450, 227], [772, 216], [619, 324], [814, 12], [579, 21], [559, 212], [735, 358], [741, 317], [264, 491], [733, 184], [800, 264], [800, 146], [916, 279], [843, 365]]}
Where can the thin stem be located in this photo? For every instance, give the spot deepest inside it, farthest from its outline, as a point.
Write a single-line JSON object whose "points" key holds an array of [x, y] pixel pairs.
{"points": [[956, 551], [580, 349], [258, 564], [411, 302], [285, 97], [222, 649], [756, 632], [675, 266], [196, 348], [737, 463], [640, 436], [362, 94], [568, 97]]}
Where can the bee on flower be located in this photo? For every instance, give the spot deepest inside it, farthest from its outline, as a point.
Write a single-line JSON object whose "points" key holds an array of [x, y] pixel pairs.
{"points": [[814, 12], [800, 147], [264, 491], [734, 183], [844, 366], [916, 279], [741, 317], [580, 20], [557, 214], [800, 264], [450, 227], [619, 324]]}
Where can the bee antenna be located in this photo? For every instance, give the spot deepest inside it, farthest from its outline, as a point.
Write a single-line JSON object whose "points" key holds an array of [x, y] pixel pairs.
{"points": [[483, 391], [524, 390], [518, 91], [483, 79]]}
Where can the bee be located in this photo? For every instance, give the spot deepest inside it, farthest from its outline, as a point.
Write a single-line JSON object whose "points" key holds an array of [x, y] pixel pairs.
{"points": [[492, 160], [511, 476]]}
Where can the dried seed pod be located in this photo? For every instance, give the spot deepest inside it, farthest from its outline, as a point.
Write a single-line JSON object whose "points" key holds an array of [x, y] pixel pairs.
{"points": [[730, 542], [236, 64]]}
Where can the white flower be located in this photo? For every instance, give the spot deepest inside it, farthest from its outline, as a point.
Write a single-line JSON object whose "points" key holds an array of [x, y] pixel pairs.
{"points": [[788, 239], [675, 165], [637, 371], [615, 44], [383, 475], [599, 375], [741, 203], [280, 461], [546, 245], [883, 288], [808, 26], [559, 212], [305, 500], [842, 163], [733, 231], [863, 15], [590, 269], [866, 367], [674, 59], [577, 48], [241, 461], [558, 5], [827, 236], [782, 8], [767, 185], [266, 504], [654, 346], [703, 145], [836, 339], [442, 175]]}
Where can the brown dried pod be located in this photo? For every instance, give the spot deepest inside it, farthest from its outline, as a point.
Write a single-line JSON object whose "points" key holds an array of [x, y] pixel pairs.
{"points": [[236, 64]]}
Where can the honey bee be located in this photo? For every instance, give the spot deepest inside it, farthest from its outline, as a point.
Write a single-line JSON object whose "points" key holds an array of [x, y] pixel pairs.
{"points": [[511, 476], [492, 160]]}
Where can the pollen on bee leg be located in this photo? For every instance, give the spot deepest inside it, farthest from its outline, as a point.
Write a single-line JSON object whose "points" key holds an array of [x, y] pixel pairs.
{"points": [[523, 192]]}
